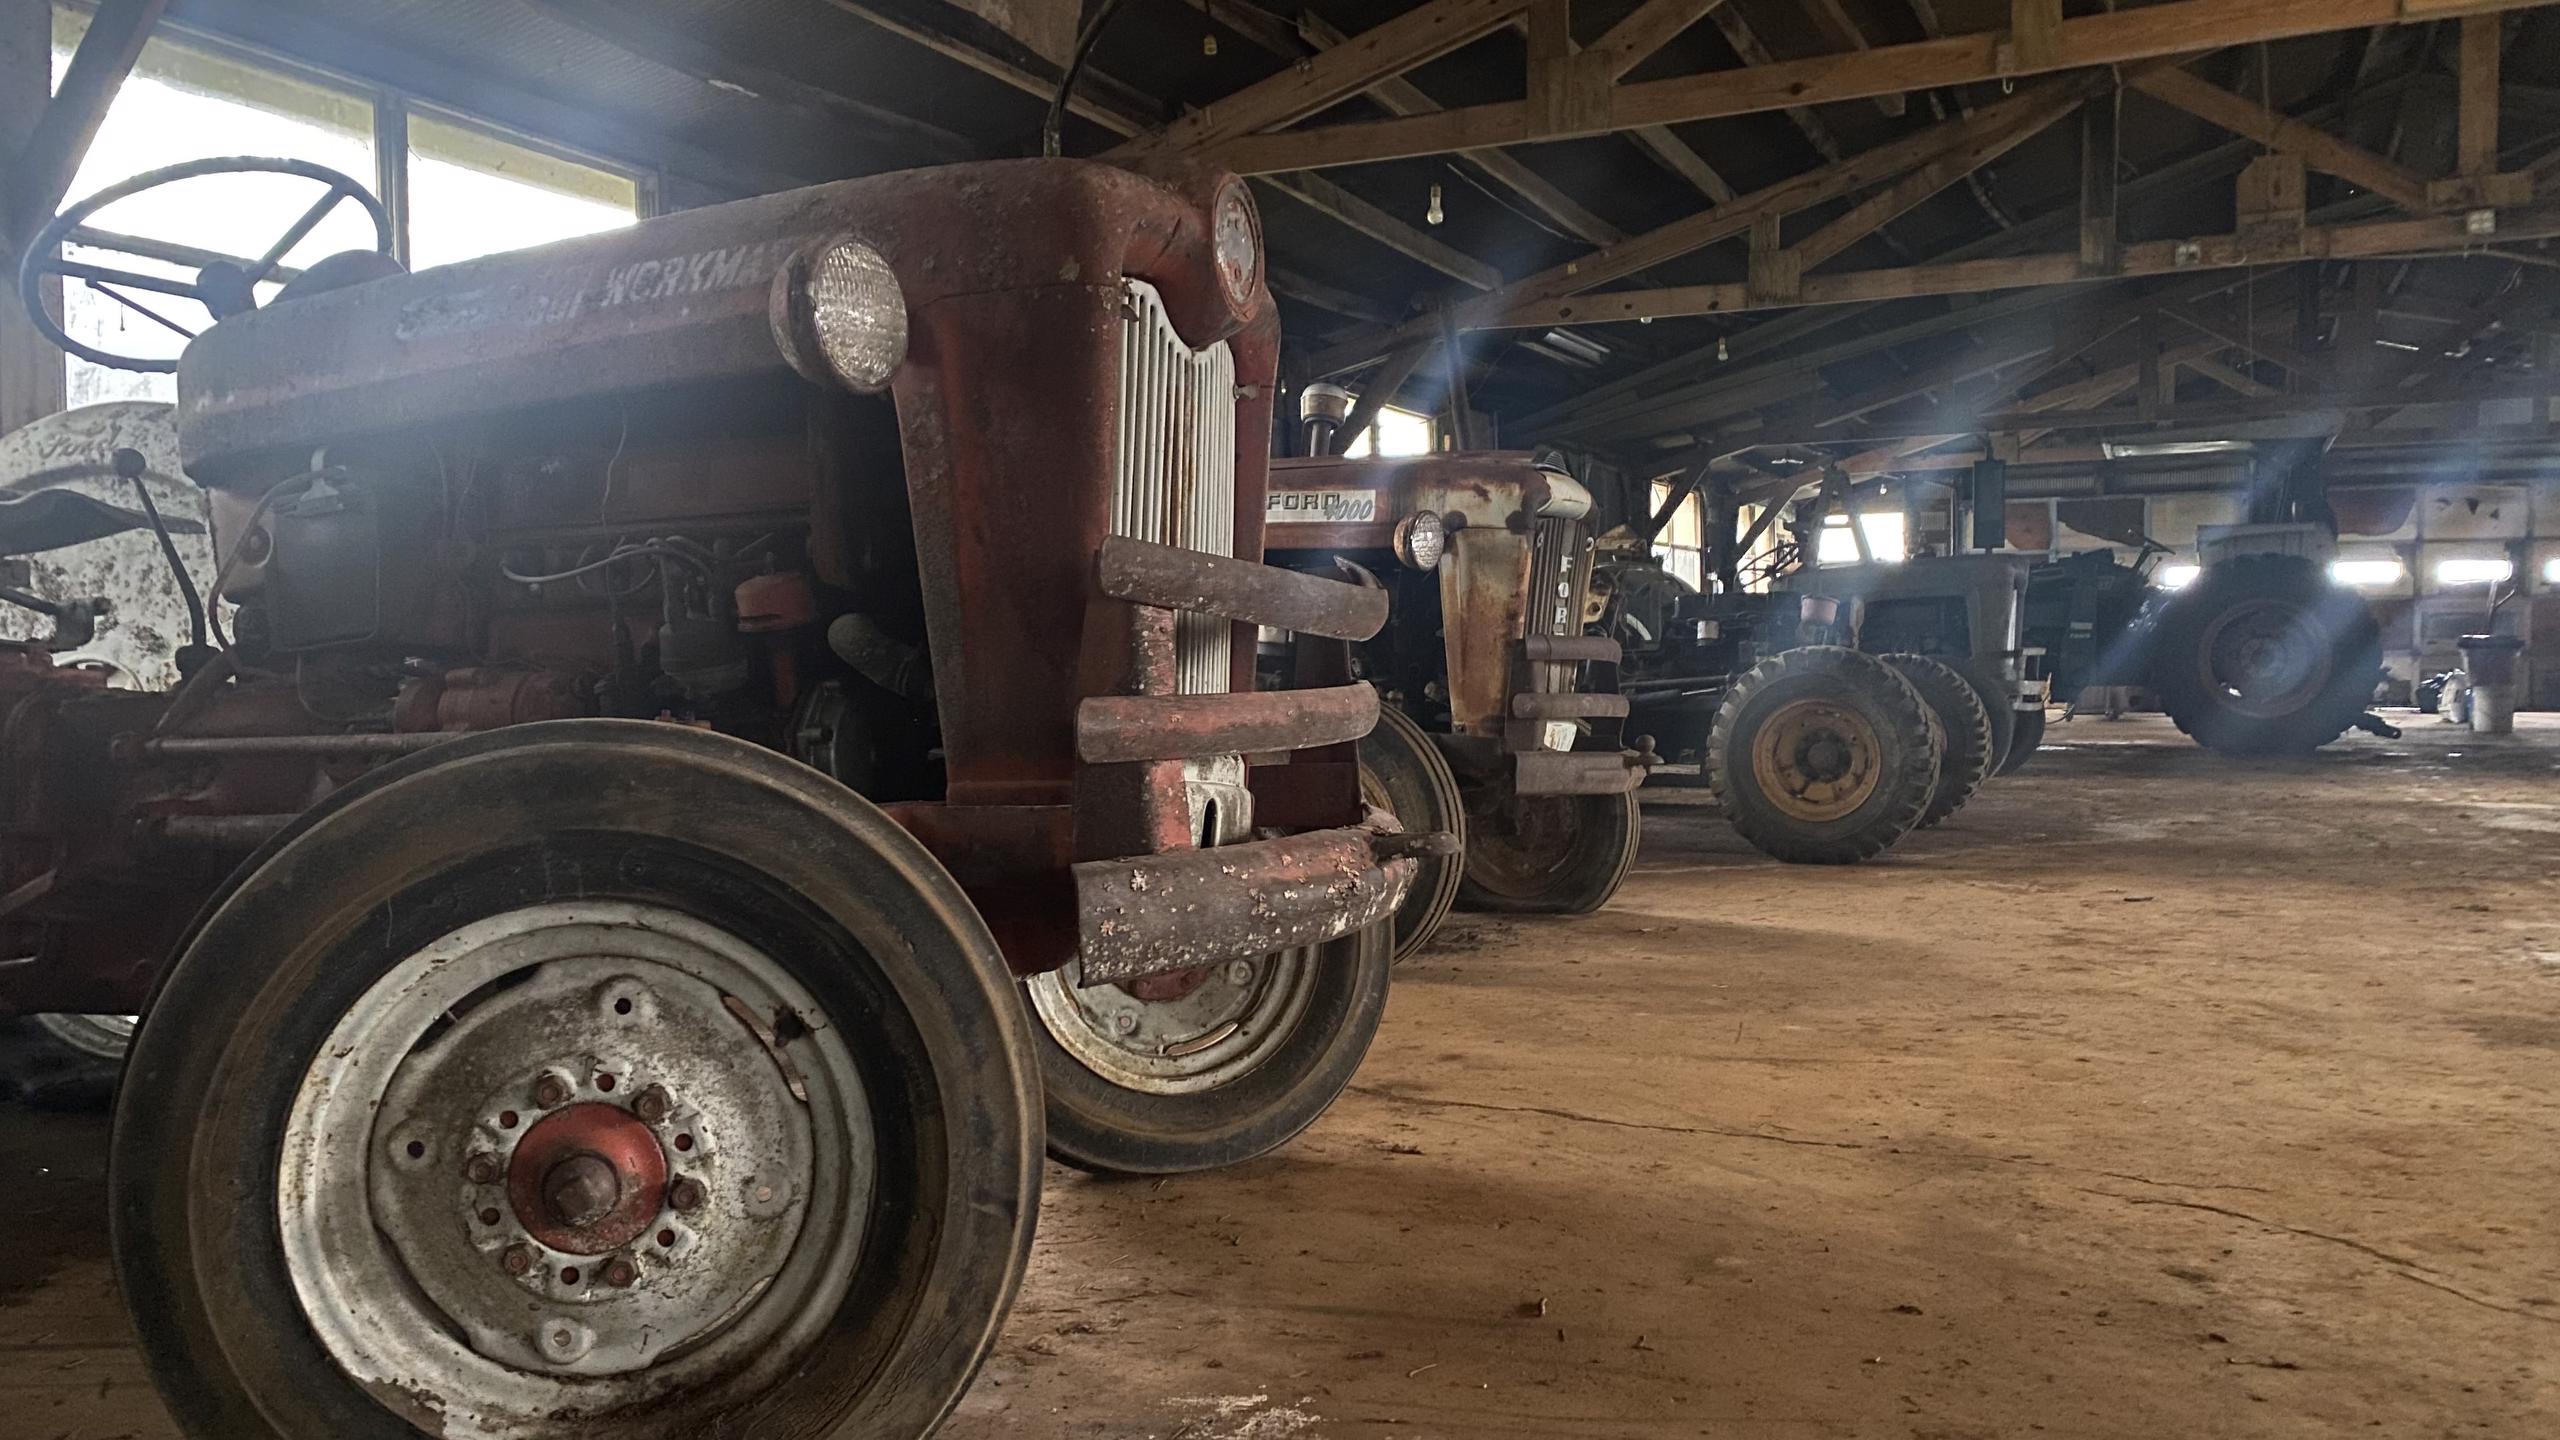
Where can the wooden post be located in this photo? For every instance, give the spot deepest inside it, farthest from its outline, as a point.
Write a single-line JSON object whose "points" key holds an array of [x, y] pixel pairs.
{"points": [[2270, 206], [1776, 273], [2098, 248], [2158, 382], [1453, 346], [2035, 32], [2476, 149], [2356, 325], [31, 369]]}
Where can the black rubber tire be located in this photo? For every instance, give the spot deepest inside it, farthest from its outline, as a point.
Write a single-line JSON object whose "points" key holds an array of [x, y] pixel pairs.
{"points": [[1907, 769], [1964, 727], [2029, 739], [2340, 618], [1401, 766], [1101, 1126], [1999, 697], [588, 809], [1604, 832]]}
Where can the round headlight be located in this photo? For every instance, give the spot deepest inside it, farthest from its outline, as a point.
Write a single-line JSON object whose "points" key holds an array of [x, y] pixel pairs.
{"points": [[1235, 233], [1421, 538], [854, 313]]}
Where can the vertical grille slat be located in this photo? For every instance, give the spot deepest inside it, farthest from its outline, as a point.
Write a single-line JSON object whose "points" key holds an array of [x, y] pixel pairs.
{"points": [[1176, 480]]}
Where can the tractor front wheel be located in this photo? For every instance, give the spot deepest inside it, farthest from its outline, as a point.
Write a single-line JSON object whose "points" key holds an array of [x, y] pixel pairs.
{"points": [[1964, 725], [1822, 756], [1207, 1067], [1548, 854], [1404, 774], [592, 1077], [2029, 739]]}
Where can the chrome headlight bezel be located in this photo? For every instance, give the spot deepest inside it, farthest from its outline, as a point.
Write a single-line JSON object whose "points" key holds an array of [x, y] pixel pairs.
{"points": [[1421, 540], [840, 315], [1235, 245]]}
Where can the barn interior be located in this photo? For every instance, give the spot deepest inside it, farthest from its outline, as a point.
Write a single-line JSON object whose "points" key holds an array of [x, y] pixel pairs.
{"points": [[2187, 1081]]}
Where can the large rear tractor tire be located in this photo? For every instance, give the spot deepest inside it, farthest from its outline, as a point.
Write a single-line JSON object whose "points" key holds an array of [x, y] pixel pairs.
{"points": [[1210, 1067], [1963, 723], [1404, 774], [1548, 854], [2263, 655], [590, 1077], [1822, 756]]}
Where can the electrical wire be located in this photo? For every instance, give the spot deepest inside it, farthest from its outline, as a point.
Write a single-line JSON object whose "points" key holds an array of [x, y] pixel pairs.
{"points": [[604, 506], [177, 567], [1053, 129], [654, 549]]}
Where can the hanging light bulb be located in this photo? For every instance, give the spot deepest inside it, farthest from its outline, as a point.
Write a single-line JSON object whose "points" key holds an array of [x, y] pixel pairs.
{"points": [[1208, 37], [1722, 352], [1435, 214]]}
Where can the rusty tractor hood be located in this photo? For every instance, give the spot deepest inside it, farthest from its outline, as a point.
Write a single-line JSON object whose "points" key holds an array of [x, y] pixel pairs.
{"points": [[683, 299], [1467, 488]]}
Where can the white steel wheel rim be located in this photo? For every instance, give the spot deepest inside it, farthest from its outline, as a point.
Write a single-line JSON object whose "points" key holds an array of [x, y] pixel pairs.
{"points": [[1224, 1028], [385, 1224]]}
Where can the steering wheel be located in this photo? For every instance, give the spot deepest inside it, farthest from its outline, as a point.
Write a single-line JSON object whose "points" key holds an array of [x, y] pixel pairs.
{"points": [[225, 285]]}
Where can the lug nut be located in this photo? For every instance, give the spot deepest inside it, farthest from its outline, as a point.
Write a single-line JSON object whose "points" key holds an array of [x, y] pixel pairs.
{"points": [[653, 1104], [551, 1090], [620, 1273], [1124, 1023], [687, 1194], [482, 1169], [1240, 972], [518, 1260]]}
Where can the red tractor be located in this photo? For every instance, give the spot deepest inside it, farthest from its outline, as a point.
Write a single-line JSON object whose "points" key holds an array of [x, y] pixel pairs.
{"points": [[694, 732]]}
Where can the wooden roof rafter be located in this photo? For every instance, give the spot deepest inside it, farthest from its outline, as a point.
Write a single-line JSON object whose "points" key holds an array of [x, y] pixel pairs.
{"points": [[1578, 96]]}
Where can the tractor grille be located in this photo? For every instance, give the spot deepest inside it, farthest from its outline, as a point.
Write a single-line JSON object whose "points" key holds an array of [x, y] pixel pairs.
{"points": [[1176, 483], [1559, 579], [1556, 579]]}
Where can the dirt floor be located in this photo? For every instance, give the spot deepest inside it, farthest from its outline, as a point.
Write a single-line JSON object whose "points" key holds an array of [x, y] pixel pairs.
{"points": [[2153, 1096]]}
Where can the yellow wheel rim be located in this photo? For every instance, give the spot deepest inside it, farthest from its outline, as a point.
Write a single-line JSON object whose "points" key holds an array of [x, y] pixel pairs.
{"points": [[1817, 760]]}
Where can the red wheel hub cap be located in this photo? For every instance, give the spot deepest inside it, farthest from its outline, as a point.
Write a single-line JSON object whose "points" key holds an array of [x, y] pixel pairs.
{"points": [[587, 1180]]}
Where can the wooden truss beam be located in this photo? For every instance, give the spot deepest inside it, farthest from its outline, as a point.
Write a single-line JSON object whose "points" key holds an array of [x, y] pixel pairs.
{"points": [[2433, 235], [2229, 379], [2012, 120], [1646, 29], [1668, 150], [2175, 27], [1097, 98], [1116, 108], [1324, 196], [1746, 43], [2318, 148], [1314, 34], [1661, 387], [1379, 53], [698, 59], [2309, 414], [1838, 27]]}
